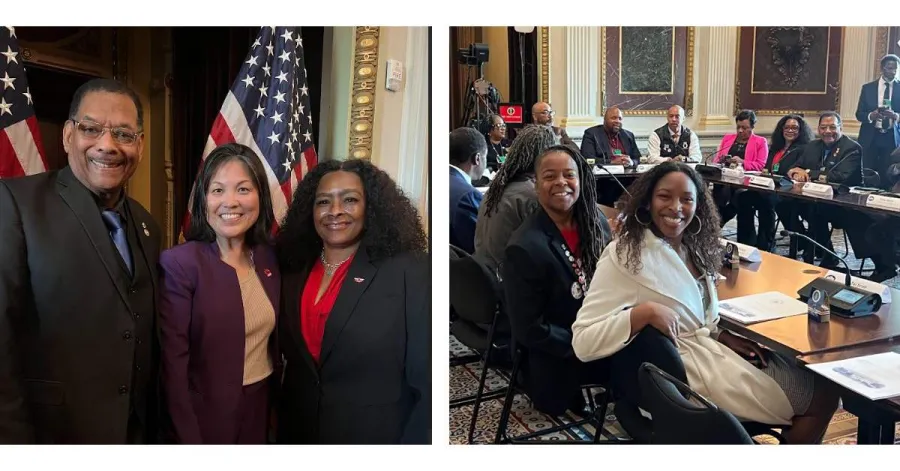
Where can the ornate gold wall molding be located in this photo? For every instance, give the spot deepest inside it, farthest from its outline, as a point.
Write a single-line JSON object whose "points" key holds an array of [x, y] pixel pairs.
{"points": [[882, 47], [362, 104], [544, 92]]}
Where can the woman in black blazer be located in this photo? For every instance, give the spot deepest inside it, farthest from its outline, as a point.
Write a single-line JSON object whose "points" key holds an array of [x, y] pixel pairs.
{"points": [[791, 135], [549, 262], [356, 303]]}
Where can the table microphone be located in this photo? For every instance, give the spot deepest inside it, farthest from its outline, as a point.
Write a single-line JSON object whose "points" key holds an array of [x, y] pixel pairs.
{"points": [[616, 179], [797, 234], [845, 300]]}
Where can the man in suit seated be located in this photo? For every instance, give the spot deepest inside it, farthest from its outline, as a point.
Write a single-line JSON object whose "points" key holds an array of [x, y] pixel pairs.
{"points": [[608, 143], [542, 113], [877, 113], [78, 345], [468, 160], [836, 159], [674, 141]]}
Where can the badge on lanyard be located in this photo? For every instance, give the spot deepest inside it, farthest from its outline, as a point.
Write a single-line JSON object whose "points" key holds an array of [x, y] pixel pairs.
{"points": [[576, 290], [617, 151]]}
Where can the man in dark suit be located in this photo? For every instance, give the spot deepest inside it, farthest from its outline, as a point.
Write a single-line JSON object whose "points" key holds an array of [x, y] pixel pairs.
{"points": [[468, 159], [78, 348], [542, 113], [608, 143], [877, 112]]}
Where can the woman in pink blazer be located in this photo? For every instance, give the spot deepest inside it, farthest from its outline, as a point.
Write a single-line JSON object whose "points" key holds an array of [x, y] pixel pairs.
{"points": [[744, 147], [741, 148]]}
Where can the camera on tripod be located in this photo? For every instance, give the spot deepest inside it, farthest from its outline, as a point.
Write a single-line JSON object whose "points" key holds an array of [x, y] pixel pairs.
{"points": [[475, 55]]}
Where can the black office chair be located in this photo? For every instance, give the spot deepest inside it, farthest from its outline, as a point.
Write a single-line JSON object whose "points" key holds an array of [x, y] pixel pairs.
{"points": [[871, 178], [474, 298], [683, 417]]}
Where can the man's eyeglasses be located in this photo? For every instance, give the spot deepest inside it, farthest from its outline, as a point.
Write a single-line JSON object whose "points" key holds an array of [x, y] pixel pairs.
{"points": [[91, 130], [547, 112], [499, 126]]}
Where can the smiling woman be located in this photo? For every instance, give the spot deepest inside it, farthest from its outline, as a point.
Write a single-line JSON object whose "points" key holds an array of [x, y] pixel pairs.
{"points": [[220, 294], [356, 323]]}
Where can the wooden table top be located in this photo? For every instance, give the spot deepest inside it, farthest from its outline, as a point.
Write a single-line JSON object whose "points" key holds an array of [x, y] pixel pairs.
{"points": [[797, 335]]}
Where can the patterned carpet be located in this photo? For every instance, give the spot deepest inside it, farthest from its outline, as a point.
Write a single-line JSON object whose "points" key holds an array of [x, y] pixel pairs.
{"points": [[524, 419]]}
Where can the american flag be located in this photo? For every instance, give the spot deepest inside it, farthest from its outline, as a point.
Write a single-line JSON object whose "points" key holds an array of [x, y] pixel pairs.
{"points": [[267, 110], [21, 151]]}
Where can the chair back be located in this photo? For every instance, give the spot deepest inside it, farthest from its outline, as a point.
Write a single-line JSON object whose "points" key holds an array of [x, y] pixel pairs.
{"points": [[473, 290], [683, 417], [871, 178]]}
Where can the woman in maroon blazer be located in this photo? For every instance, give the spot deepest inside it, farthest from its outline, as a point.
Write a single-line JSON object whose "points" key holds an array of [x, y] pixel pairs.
{"points": [[219, 302], [356, 311]]}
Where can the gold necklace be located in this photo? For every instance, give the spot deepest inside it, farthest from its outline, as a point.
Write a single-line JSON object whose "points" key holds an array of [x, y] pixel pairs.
{"points": [[330, 268]]}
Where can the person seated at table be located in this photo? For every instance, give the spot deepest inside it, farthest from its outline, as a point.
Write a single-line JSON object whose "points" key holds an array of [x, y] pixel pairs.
{"points": [[468, 159], [511, 197], [674, 141], [609, 143], [834, 158], [788, 141], [495, 134], [659, 277], [740, 149], [545, 274]]}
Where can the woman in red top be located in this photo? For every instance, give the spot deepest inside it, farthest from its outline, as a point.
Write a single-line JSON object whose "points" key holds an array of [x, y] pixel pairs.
{"points": [[548, 265], [790, 137], [356, 341]]}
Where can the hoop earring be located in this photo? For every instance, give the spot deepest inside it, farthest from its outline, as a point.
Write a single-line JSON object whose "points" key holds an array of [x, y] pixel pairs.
{"points": [[638, 218], [699, 228]]}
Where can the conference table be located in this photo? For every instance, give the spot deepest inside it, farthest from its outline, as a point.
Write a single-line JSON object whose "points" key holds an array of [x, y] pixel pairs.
{"points": [[812, 342]]}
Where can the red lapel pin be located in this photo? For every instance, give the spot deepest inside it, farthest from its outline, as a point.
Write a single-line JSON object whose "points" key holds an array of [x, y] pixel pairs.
{"points": [[268, 273], [358, 280]]}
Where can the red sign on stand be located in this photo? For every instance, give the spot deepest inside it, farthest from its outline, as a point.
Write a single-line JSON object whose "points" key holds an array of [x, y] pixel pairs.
{"points": [[511, 114]]}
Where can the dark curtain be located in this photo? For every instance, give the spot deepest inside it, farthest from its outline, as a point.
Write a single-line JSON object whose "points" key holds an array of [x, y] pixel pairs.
{"points": [[461, 37], [893, 38], [205, 63], [527, 93]]}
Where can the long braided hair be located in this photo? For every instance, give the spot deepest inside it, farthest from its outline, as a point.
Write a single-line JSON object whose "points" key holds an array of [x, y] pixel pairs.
{"points": [[593, 228], [529, 144]]}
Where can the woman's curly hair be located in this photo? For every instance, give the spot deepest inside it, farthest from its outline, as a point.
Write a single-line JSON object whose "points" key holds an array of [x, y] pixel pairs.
{"points": [[392, 224], [703, 247]]}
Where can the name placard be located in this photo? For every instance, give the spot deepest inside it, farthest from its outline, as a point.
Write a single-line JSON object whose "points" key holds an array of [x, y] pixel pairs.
{"points": [[883, 202], [644, 167], [746, 252], [614, 169], [818, 189], [732, 172], [763, 182]]}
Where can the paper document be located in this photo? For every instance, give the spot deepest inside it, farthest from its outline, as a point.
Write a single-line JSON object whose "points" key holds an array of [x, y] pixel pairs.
{"points": [[873, 376], [761, 307]]}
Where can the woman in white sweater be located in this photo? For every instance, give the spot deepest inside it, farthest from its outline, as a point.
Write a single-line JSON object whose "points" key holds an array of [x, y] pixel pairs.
{"points": [[660, 274]]}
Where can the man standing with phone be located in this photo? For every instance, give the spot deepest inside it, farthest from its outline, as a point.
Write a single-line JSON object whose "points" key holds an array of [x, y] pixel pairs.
{"points": [[877, 112]]}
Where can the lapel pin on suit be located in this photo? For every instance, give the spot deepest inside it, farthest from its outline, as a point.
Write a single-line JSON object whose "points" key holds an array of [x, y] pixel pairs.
{"points": [[358, 280], [146, 231], [268, 273]]}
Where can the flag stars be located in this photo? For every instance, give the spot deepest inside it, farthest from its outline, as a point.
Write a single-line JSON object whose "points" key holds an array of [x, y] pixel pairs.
{"points": [[279, 97], [285, 56], [7, 81], [5, 108], [282, 77], [10, 55], [287, 36], [304, 90], [12, 31], [248, 81], [252, 61], [267, 70], [260, 111], [28, 94], [264, 91], [271, 49], [256, 43], [275, 138], [276, 118], [308, 136]]}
